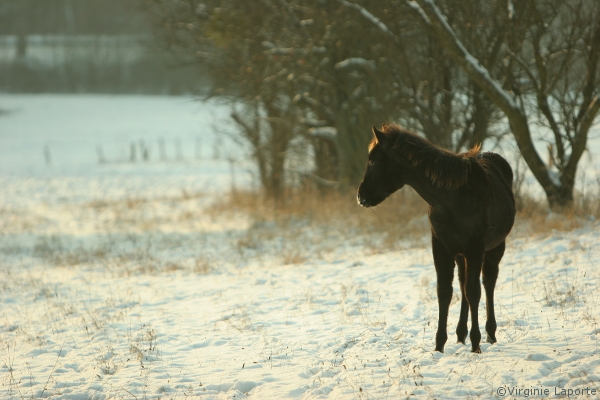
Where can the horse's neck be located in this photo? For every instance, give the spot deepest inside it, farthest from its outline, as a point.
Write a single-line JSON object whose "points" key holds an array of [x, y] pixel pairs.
{"points": [[423, 185]]}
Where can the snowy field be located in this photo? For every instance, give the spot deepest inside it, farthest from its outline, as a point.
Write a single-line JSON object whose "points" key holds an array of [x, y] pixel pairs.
{"points": [[120, 280]]}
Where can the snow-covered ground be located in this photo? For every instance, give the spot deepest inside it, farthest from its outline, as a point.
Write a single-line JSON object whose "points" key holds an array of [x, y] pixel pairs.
{"points": [[120, 280]]}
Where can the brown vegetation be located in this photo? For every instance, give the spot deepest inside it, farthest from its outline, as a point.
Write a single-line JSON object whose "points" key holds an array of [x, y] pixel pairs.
{"points": [[336, 215], [392, 224], [140, 235]]}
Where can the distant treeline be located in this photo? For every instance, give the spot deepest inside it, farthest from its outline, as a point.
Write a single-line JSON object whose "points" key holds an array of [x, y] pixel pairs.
{"points": [[99, 46], [75, 17]]}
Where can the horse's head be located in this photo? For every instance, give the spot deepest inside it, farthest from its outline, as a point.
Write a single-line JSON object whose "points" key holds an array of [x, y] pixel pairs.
{"points": [[383, 175]]}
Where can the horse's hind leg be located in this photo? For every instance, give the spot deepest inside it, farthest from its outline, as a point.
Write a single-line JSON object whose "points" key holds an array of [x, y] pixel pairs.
{"points": [[461, 328], [490, 275], [444, 268]]}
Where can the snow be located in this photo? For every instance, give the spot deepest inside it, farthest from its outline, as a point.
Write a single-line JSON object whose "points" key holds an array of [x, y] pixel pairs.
{"points": [[511, 9], [356, 62], [415, 6], [326, 132], [374, 20], [121, 281], [555, 178]]}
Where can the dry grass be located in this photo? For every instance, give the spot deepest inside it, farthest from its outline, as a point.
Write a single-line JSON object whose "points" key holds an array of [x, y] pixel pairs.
{"points": [[535, 218], [400, 219], [332, 217], [148, 214], [125, 255], [141, 235], [541, 222]]}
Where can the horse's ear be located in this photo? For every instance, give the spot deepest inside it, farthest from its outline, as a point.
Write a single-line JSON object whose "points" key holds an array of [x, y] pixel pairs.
{"points": [[381, 137]]}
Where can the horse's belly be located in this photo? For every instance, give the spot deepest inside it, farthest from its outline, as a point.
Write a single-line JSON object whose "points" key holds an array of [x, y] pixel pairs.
{"points": [[497, 230], [492, 242], [455, 239]]}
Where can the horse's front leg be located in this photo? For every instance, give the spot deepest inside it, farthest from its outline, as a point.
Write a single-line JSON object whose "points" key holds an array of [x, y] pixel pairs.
{"points": [[444, 268], [474, 260]]}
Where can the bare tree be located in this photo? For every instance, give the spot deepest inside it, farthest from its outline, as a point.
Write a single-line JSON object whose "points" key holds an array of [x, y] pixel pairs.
{"points": [[552, 49], [336, 69], [383, 68], [308, 56], [345, 84], [236, 39], [432, 94]]}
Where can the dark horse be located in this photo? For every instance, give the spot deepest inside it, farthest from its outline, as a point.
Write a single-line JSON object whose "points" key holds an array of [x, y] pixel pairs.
{"points": [[471, 210]]}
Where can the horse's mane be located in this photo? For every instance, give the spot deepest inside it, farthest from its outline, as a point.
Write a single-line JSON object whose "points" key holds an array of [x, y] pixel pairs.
{"points": [[443, 167]]}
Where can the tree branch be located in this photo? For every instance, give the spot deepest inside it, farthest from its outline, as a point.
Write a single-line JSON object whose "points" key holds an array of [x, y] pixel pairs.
{"points": [[376, 21], [356, 62], [480, 75], [305, 98], [326, 132]]}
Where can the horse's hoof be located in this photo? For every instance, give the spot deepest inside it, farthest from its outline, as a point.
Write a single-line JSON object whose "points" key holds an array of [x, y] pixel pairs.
{"points": [[491, 339], [477, 350], [441, 350], [461, 341]]}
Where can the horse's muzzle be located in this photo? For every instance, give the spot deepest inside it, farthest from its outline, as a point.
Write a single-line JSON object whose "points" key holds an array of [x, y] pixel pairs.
{"points": [[362, 201]]}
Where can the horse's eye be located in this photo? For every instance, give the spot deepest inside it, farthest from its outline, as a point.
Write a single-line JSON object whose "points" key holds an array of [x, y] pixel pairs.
{"points": [[371, 163]]}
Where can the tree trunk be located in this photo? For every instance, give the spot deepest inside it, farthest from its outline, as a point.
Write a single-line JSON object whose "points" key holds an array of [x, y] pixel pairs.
{"points": [[353, 138], [326, 159], [560, 197], [482, 110], [278, 147], [21, 46]]}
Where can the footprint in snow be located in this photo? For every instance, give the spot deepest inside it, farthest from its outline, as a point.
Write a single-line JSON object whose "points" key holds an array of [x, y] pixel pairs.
{"points": [[537, 357], [244, 386], [310, 372]]}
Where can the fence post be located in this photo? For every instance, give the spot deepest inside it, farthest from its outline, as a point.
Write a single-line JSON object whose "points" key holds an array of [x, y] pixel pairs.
{"points": [[100, 151], [132, 155], [47, 155]]}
